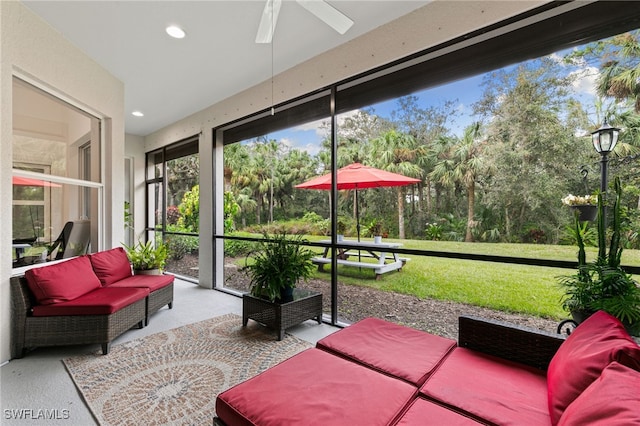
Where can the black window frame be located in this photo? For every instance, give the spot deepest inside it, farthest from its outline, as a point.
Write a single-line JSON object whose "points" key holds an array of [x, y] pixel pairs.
{"points": [[541, 31]]}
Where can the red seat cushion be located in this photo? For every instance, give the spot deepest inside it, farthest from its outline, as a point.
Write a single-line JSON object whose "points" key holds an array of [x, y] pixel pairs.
{"points": [[422, 412], [103, 301], [62, 281], [111, 265], [393, 349], [593, 345], [490, 388], [612, 399], [152, 282], [315, 388]]}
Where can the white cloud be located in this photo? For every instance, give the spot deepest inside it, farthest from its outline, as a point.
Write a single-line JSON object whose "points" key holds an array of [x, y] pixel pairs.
{"points": [[585, 80], [286, 142], [311, 148]]}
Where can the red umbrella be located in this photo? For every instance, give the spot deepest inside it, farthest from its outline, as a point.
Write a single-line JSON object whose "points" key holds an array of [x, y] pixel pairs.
{"points": [[357, 176], [23, 181]]}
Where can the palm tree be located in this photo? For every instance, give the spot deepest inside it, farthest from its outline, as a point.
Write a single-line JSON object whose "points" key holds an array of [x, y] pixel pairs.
{"points": [[620, 76], [246, 202], [399, 153], [462, 165]]}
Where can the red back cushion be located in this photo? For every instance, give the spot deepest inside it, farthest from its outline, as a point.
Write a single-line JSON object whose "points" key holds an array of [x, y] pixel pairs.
{"points": [[63, 281], [613, 399], [111, 265], [594, 344]]}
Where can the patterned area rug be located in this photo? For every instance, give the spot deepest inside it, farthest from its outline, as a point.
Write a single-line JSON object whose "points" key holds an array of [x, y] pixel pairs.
{"points": [[173, 377]]}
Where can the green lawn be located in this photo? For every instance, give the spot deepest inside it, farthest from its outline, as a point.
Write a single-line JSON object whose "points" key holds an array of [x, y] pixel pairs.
{"points": [[525, 289]]}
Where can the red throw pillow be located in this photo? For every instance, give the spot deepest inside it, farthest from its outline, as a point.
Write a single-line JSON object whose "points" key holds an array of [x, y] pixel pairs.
{"points": [[111, 265], [593, 345], [613, 399], [63, 281]]}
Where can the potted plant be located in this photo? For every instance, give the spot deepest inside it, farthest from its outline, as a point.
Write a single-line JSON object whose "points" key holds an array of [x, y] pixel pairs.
{"points": [[602, 284], [585, 206], [147, 259], [276, 266]]}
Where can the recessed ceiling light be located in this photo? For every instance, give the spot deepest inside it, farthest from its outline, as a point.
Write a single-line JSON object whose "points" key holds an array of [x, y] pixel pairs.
{"points": [[137, 113], [175, 32]]}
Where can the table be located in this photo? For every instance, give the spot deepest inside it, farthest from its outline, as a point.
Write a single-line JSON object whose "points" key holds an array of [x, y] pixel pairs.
{"points": [[20, 249], [386, 261], [306, 304]]}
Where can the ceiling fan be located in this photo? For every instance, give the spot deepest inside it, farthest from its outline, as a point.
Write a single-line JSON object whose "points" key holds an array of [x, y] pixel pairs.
{"points": [[320, 8]]}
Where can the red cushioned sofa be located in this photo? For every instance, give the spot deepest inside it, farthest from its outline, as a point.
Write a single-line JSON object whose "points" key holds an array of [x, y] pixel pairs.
{"points": [[84, 300], [379, 373]]}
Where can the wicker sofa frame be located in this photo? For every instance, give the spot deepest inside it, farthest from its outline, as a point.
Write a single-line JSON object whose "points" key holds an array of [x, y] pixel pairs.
{"points": [[525, 345], [28, 331], [157, 299]]}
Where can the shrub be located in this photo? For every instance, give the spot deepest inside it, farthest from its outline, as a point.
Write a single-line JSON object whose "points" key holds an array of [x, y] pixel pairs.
{"points": [[434, 231], [190, 210], [173, 215], [178, 246], [238, 248]]}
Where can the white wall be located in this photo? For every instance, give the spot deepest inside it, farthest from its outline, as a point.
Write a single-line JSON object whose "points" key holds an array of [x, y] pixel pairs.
{"points": [[35, 52], [428, 26], [134, 149]]}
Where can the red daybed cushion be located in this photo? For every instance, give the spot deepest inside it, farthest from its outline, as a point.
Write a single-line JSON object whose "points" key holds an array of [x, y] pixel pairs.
{"points": [[612, 399], [423, 412], [490, 388], [62, 281], [399, 351], [111, 265], [152, 282], [595, 343], [315, 388], [103, 301]]}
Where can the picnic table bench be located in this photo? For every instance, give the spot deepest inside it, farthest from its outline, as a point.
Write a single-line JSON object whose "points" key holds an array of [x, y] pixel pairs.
{"points": [[387, 262]]}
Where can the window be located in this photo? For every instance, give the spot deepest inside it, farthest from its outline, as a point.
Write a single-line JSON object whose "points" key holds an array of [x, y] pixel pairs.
{"points": [[56, 170], [356, 131], [173, 204]]}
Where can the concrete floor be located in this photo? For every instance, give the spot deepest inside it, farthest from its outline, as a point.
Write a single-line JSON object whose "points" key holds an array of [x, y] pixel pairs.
{"points": [[39, 381]]}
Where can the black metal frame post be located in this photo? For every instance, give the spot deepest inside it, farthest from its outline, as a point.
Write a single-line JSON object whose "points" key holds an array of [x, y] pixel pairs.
{"points": [[604, 163]]}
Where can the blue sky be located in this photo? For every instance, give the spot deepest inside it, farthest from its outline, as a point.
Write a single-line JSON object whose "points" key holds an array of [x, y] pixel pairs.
{"points": [[309, 136], [467, 91]]}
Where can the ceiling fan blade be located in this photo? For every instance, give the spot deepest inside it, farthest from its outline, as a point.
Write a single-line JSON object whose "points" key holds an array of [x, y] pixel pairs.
{"points": [[268, 21], [328, 14]]}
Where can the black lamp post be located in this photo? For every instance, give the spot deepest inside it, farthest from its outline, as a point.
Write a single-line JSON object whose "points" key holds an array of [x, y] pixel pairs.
{"points": [[604, 141]]}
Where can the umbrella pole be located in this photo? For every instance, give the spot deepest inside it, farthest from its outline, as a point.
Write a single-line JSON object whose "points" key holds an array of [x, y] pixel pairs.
{"points": [[358, 223], [357, 216]]}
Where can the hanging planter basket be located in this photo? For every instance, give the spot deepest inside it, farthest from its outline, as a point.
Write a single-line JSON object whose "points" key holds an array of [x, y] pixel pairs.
{"points": [[586, 212]]}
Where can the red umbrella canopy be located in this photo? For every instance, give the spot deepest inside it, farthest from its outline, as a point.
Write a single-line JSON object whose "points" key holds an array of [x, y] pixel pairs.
{"points": [[23, 181], [358, 176]]}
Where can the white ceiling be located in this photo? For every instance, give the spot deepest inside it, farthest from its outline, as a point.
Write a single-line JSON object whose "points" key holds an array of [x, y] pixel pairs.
{"points": [[169, 79]]}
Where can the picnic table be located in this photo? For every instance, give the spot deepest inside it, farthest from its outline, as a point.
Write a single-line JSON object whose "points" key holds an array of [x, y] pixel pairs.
{"points": [[386, 261]]}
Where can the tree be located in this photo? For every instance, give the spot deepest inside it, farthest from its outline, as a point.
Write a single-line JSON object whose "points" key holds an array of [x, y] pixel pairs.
{"points": [[463, 165], [617, 60], [619, 75], [182, 174], [429, 126], [267, 156], [398, 153], [529, 138]]}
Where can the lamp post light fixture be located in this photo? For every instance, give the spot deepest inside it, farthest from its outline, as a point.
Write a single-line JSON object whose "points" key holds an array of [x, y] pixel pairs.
{"points": [[604, 141]]}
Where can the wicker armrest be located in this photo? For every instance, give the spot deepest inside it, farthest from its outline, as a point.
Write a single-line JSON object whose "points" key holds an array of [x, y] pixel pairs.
{"points": [[509, 341], [21, 304]]}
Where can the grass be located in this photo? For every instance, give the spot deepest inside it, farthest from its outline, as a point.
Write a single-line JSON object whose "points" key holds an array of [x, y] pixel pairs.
{"points": [[531, 290]]}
